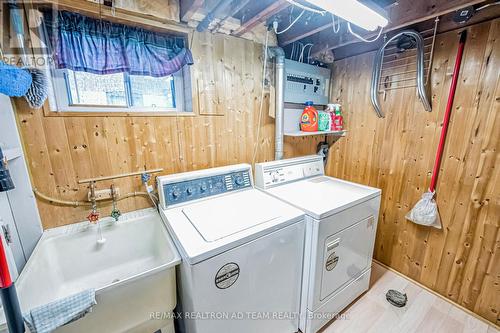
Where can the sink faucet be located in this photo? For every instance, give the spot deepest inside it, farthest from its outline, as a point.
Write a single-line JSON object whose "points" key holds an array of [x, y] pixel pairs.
{"points": [[94, 215], [115, 212]]}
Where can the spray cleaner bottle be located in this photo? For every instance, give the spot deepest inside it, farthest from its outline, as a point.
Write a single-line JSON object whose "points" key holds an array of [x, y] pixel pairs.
{"points": [[338, 120]]}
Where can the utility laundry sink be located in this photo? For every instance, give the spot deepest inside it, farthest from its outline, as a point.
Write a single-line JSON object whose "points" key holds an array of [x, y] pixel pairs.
{"points": [[133, 273]]}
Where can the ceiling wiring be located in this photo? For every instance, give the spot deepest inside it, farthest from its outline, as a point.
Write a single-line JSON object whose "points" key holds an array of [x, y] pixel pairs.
{"points": [[336, 27], [488, 5], [362, 38], [275, 25], [309, 54], [301, 57], [296, 50]]}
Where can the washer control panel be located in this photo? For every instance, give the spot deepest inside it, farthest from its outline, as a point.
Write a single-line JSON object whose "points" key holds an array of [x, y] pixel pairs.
{"points": [[192, 189], [284, 171]]}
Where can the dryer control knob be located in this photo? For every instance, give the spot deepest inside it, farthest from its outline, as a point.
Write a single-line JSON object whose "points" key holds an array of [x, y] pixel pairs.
{"points": [[275, 176], [239, 180], [203, 187], [189, 190], [176, 193]]}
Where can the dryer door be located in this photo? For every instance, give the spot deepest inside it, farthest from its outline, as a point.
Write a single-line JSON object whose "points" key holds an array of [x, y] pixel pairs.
{"points": [[346, 255]]}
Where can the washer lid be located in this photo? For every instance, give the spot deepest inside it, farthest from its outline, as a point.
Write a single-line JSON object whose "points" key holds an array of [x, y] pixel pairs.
{"points": [[323, 196], [210, 227], [216, 219]]}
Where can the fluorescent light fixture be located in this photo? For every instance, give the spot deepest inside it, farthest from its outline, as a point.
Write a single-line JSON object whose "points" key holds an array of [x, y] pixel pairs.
{"points": [[354, 12]]}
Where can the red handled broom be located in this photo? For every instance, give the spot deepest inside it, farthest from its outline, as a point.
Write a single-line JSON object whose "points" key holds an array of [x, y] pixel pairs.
{"points": [[425, 211]]}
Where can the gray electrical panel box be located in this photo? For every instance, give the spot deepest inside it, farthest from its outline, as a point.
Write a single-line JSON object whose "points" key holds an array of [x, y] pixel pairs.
{"points": [[304, 82]]}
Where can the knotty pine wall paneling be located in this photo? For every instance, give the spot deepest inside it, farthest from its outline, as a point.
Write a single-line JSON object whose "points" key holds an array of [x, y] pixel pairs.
{"points": [[226, 81], [396, 154]]}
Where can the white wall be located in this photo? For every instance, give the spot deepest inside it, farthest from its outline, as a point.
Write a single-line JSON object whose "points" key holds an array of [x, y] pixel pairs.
{"points": [[22, 217]]}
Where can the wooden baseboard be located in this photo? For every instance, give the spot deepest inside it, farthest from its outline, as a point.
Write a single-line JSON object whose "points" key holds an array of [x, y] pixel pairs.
{"points": [[475, 315]]}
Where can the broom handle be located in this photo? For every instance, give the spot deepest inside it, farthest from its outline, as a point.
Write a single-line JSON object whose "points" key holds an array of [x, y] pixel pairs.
{"points": [[5, 279], [449, 107], [8, 295]]}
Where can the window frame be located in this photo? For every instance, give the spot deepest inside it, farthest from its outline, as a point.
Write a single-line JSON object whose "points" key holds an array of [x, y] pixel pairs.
{"points": [[62, 95]]}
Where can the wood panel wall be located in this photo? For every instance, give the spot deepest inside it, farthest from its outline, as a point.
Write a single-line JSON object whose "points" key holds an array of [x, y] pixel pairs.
{"points": [[396, 154], [226, 81]]}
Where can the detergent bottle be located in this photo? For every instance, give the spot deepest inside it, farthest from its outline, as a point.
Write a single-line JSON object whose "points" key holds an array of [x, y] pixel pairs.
{"points": [[330, 109], [309, 118], [324, 121], [338, 120]]}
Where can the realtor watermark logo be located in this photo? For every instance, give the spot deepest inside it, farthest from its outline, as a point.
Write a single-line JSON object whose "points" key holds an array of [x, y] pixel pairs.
{"points": [[24, 40], [247, 315]]}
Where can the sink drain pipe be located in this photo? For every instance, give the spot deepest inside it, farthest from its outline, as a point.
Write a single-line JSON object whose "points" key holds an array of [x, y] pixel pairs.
{"points": [[279, 55]]}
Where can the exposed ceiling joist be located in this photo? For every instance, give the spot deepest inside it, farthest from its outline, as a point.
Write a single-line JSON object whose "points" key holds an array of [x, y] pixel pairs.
{"points": [[319, 24], [262, 16], [407, 12], [189, 8], [235, 9], [446, 23]]}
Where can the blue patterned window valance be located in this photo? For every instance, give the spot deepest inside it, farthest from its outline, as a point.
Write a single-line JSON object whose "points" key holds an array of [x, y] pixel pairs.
{"points": [[96, 46]]}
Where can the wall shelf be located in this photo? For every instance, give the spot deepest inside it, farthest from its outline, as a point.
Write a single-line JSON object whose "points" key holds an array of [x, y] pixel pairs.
{"points": [[291, 120], [300, 133]]}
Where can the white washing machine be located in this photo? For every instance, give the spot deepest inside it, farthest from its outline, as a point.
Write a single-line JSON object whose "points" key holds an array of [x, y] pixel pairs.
{"points": [[242, 252], [341, 223]]}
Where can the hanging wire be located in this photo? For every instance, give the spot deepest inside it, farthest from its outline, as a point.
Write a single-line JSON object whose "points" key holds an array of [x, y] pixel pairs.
{"points": [[362, 38], [301, 57], [309, 54], [337, 29], [297, 48], [291, 24], [299, 51], [488, 5], [295, 3]]}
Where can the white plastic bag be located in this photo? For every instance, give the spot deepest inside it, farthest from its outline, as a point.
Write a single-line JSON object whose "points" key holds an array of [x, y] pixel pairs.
{"points": [[425, 212]]}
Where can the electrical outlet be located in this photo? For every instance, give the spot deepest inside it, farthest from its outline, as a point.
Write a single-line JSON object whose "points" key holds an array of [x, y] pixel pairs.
{"points": [[104, 194]]}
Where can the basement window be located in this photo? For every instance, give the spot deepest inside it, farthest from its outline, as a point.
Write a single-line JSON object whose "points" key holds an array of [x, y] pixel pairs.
{"points": [[121, 92], [112, 68]]}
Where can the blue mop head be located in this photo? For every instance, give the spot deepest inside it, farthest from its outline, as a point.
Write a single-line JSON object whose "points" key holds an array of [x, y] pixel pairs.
{"points": [[14, 82], [38, 91]]}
